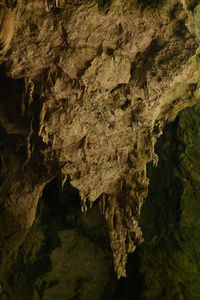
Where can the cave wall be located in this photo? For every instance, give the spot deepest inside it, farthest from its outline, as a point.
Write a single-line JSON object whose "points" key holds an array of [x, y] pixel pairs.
{"points": [[86, 89], [66, 254], [166, 265], [170, 257]]}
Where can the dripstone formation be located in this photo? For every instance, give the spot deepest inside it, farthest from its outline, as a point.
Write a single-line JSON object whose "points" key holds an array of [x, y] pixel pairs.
{"points": [[85, 91]]}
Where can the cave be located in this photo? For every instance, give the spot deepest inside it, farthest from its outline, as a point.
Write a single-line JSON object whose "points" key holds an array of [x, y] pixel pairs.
{"points": [[99, 165]]}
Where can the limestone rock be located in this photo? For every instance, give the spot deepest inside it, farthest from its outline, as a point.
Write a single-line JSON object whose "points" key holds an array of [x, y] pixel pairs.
{"points": [[94, 87]]}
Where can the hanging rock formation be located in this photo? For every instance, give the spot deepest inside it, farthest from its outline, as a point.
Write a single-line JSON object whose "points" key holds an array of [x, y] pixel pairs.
{"points": [[86, 89]]}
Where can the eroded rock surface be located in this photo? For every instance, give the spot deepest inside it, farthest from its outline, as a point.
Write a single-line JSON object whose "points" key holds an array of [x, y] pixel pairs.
{"points": [[97, 86]]}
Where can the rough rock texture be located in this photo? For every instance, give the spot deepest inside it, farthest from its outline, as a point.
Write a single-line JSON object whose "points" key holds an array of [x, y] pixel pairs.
{"points": [[169, 257], [87, 90], [63, 241]]}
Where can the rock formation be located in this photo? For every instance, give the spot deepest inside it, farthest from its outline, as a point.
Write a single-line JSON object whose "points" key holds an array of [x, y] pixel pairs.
{"points": [[86, 89]]}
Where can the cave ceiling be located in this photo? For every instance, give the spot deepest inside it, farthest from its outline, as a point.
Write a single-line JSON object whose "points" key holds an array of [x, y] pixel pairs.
{"points": [[86, 89]]}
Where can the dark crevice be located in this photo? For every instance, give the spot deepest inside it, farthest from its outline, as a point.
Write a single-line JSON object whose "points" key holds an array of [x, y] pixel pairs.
{"points": [[85, 68]]}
